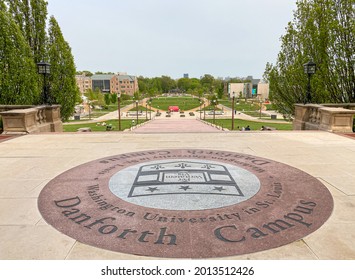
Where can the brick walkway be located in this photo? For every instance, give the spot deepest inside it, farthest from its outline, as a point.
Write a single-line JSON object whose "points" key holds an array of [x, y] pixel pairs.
{"points": [[175, 125]]}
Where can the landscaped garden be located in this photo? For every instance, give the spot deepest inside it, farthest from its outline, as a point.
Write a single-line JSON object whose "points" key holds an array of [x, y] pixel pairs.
{"points": [[184, 103]]}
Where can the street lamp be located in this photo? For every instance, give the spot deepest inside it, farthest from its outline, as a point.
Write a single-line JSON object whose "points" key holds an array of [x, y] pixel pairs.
{"points": [[214, 111], [137, 110], [310, 69], [150, 110], [200, 108], [146, 111], [119, 110], [233, 98], [44, 68]]}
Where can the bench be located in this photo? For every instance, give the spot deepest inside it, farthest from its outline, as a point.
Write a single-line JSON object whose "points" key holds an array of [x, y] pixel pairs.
{"points": [[84, 129]]}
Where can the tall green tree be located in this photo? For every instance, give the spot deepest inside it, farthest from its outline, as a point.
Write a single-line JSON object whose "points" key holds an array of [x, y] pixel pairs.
{"points": [[64, 90], [31, 16], [167, 83], [18, 76], [322, 31]]}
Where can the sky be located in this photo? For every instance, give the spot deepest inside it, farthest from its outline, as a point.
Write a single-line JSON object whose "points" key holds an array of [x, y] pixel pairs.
{"points": [[151, 38]]}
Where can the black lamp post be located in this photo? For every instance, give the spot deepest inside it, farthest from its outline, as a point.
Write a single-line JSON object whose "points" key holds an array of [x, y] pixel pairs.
{"points": [[214, 111], [137, 110], [200, 108], [146, 111], [150, 110], [310, 69], [44, 68], [233, 99], [119, 110]]}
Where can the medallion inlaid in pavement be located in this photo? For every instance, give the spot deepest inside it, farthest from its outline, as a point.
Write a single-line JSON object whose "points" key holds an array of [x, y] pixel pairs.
{"points": [[185, 203]]}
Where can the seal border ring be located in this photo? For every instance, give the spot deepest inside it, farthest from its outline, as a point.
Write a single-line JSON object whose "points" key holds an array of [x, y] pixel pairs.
{"points": [[202, 247]]}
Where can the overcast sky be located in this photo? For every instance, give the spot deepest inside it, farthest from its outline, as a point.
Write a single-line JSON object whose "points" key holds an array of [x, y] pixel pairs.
{"points": [[152, 38]]}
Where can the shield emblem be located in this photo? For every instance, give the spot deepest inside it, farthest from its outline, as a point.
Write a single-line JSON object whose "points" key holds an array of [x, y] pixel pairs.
{"points": [[184, 177]]}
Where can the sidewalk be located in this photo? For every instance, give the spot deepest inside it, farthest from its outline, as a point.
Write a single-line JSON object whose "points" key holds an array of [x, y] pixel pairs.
{"points": [[174, 125], [28, 163]]}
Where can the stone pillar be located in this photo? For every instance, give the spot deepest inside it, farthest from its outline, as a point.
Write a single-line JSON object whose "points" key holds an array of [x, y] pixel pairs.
{"points": [[300, 117], [337, 119], [33, 120], [20, 121], [53, 117]]}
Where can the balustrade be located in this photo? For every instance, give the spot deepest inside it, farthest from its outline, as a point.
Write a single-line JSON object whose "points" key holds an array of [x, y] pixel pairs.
{"points": [[328, 117]]}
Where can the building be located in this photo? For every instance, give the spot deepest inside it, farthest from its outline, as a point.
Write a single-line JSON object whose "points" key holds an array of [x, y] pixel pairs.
{"points": [[125, 84], [83, 82], [253, 88], [102, 82], [243, 90], [108, 83], [263, 90]]}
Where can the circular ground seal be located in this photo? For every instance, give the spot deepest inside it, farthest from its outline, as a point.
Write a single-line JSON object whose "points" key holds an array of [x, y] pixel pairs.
{"points": [[185, 203]]}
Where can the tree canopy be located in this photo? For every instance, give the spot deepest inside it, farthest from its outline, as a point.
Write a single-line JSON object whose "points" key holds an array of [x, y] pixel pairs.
{"points": [[24, 42], [321, 31], [205, 85], [18, 75]]}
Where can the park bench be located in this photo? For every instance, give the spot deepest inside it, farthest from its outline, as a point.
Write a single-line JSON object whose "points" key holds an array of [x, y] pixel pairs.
{"points": [[84, 129]]}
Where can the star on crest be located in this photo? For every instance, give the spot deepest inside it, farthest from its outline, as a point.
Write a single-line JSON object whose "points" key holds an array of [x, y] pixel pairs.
{"points": [[150, 189], [220, 189], [185, 188]]}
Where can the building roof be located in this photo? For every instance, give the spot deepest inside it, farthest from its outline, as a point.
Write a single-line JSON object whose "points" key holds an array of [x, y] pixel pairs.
{"points": [[102, 77], [126, 77]]}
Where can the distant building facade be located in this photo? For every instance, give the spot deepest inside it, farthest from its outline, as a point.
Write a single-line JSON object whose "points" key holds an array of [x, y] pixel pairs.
{"points": [[84, 83], [256, 88], [102, 82], [108, 83], [125, 84]]}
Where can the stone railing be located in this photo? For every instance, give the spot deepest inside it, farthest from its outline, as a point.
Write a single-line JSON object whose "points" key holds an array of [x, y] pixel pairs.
{"points": [[32, 120], [328, 117]]}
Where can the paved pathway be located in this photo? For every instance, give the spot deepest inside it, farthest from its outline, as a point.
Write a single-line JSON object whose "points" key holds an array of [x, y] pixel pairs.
{"points": [[29, 162], [175, 125]]}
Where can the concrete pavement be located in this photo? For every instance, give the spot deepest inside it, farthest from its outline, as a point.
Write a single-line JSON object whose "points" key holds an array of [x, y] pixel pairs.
{"points": [[28, 163]]}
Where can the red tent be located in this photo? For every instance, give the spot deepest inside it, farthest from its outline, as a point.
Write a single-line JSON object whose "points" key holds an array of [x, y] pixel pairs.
{"points": [[174, 108]]}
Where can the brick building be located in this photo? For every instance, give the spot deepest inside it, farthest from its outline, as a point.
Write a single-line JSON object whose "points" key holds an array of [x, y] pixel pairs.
{"points": [[108, 83]]}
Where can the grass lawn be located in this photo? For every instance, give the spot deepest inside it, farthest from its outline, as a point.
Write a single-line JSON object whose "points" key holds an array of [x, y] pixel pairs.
{"points": [[184, 103], [227, 123], [241, 106], [94, 127], [140, 108]]}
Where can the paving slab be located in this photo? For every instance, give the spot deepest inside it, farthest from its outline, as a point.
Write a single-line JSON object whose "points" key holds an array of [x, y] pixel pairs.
{"points": [[25, 235], [175, 125]]}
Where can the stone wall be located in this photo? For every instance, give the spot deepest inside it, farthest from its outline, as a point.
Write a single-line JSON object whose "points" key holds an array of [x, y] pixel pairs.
{"points": [[328, 117], [27, 119]]}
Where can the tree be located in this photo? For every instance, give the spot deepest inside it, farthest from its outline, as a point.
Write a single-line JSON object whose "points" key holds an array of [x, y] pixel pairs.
{"points": [[107, 99], [31, 16], [113, 98], [207, 82], [64, 90], [184, 84], [322, 31], [18, 73], [85, 72], [167, 83]]}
